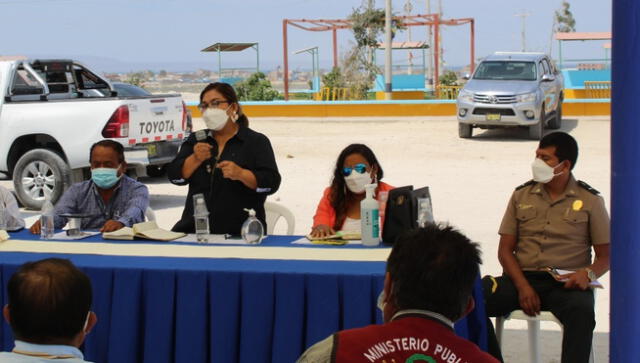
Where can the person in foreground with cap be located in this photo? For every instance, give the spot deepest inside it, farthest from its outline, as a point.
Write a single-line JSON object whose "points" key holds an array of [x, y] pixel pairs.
{"points": [[428, 286]]}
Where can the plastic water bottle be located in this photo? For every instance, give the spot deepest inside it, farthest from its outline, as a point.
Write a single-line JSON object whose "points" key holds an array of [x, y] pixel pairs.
{"points": [[201, 217], [4, 220], [369, 218], [252, 230], [46, 220], [425, 212]]}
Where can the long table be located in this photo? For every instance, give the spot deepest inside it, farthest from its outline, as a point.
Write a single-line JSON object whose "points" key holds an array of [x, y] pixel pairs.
{"points": [[264, 303]]}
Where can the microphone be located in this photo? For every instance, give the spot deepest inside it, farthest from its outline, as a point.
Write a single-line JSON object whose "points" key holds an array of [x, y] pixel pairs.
{"points": [[201, 136]]}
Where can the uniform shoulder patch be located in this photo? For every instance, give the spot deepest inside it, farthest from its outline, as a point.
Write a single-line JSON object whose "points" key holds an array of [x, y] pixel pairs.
{"points": [[588, 187], [530, 182]]}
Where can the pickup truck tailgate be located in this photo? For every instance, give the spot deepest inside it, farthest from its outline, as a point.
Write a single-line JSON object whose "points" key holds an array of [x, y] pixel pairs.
{"points": [[155, 119]]}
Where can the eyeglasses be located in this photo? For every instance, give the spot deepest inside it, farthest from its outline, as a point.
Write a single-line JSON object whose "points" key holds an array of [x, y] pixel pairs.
{"points": [[360, 168], [212, 104]]}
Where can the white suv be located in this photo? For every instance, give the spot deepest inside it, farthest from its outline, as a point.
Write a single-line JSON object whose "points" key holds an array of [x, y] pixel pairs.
{"points": [[509, 90]]}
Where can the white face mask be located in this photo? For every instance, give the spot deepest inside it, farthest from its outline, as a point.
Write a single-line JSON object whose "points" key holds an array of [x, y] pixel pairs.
{"points": [[356, 181], [215, 118], [543, 173], [86, 322], [381, 304]]}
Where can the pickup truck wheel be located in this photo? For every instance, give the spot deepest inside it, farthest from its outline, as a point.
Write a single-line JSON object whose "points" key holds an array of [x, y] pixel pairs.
{"points": [[556, 123], [536, 131], [156, 171], [39, 173], [464, 130]]}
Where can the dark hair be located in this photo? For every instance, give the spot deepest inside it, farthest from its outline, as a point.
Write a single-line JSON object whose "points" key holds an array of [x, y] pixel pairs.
{"points": [[566, 146], [114, 145], [48, 301], [226, 90], [340, 195], [434, 268]]}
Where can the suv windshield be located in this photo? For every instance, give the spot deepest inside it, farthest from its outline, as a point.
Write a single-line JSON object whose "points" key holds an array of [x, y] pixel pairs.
{"points": [[506, 70]]}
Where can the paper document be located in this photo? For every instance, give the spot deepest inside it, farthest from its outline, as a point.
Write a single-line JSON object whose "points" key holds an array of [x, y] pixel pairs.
{"points": [[216, 239], [340, 235], [339, 242], [556, 272], [64, 237]]}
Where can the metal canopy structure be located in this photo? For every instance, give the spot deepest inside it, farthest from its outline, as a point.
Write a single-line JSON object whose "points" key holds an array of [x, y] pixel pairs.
{"points": [[405, 45], [315, 66], [333, 25], [580, 36], [232, 47], [410, 46]]}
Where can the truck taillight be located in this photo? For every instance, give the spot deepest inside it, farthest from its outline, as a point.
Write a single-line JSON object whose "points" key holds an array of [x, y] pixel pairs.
{"points": [[118, 124], [185, 113]]}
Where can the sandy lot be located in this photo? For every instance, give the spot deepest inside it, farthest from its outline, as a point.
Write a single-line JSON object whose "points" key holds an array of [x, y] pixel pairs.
{"points": [[470, 180]]}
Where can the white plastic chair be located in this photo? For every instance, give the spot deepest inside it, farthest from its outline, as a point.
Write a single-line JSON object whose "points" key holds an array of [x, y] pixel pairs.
{"points": [[534, 330], [150, 214], [273, 213]]}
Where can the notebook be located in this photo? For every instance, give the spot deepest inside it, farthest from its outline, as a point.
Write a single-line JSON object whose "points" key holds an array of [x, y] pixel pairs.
{"points": [[146, 230]]}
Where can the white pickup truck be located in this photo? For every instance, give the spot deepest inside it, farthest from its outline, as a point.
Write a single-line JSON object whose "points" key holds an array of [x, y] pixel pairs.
{"points": [[52, 111]]}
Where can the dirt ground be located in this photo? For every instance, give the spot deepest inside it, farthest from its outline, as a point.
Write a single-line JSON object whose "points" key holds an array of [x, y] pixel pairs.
{"points": [[470, 181]]}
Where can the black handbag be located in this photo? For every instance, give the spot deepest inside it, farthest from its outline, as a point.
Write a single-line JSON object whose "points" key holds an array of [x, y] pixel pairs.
{"points": [[401, 213]]}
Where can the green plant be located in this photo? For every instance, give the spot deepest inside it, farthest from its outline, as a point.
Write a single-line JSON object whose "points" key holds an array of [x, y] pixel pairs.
{"points": [[256, 88], [333, 79], [450, 78], [137, 79], [564, 19], [359, 67]]}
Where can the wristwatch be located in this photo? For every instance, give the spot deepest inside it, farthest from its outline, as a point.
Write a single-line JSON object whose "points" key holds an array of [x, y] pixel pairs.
{"points": [[591, 275]]}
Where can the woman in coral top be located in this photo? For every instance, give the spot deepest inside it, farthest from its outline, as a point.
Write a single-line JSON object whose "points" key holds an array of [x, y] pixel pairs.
{"points": [[339, 208]]}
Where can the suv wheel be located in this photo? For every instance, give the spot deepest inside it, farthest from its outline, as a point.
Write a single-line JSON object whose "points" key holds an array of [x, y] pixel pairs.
{"points": [[536, 131], [556, 122], [464, 130], [40, 173]]}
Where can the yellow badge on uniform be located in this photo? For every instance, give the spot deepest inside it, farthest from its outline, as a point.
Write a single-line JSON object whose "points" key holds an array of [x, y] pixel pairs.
{"points": [[577, 205]]}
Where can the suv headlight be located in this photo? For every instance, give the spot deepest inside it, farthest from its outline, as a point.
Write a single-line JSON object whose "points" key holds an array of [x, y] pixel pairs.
{"points": [[465, 96], [527, 97]]}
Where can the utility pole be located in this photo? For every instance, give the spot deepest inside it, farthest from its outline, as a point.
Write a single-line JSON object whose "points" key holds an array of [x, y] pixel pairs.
{"points": [[523, 15], [408, 7], [430, 49], [387, 52], [440, 42], [370, 50]]}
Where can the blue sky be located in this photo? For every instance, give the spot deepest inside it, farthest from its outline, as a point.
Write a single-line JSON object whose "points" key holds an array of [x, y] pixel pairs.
{"points": [[170, 33]]}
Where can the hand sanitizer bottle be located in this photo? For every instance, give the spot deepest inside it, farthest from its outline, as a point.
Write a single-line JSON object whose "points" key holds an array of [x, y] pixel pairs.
{"points": [[4, 217], [201, 217], [46, 220], [252, 230], [369, 218]]}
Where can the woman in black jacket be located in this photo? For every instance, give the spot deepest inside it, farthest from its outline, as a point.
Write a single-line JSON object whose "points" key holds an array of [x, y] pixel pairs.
{"points": [[232, 165]]}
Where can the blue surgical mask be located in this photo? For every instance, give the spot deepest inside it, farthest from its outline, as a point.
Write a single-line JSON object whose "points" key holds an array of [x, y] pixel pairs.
{"points": [[104, 178]]}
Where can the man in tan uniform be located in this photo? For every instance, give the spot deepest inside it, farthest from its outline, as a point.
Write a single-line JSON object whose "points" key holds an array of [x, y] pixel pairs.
{"points": [[552, 222]]}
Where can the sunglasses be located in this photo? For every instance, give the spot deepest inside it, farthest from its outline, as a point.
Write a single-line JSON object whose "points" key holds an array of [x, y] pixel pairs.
{"points": [[212, 104], [360, 168]]}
